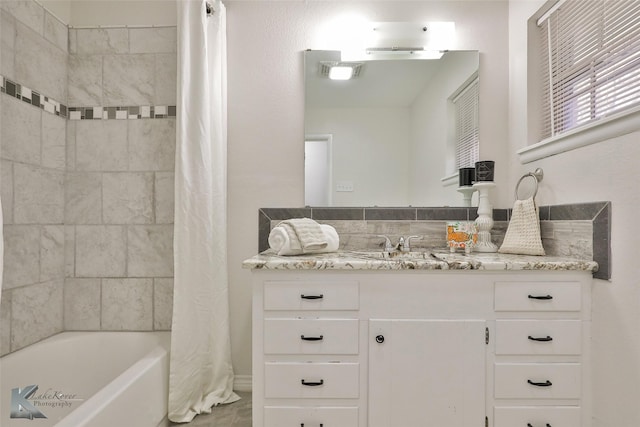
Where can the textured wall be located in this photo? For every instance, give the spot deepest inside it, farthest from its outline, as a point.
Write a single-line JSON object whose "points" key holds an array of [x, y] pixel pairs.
{"points": [[119, 186], [32, 147]]}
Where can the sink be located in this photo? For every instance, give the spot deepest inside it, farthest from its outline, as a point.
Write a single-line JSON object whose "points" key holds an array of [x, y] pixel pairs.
{"points": [[393, 255]]}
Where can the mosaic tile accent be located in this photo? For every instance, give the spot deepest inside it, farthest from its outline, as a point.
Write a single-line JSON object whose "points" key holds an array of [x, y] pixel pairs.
{"points": [[52, 106]]}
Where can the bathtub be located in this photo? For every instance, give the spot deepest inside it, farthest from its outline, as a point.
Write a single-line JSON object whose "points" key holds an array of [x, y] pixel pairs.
{"points": [[88, 379]]}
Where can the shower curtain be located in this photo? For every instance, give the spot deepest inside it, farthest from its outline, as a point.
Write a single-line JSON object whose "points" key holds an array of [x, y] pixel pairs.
{"points": [[200, 375]]}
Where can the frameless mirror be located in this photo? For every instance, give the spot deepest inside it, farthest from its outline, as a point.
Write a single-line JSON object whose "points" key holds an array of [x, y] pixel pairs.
{"points": [[385, 137]]}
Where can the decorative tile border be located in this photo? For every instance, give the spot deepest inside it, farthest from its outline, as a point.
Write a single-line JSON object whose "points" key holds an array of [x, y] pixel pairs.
{"points": [[599, 213], [52, 106]]}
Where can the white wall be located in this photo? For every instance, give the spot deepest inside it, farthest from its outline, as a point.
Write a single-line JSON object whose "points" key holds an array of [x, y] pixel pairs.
{"points": [[378, 138], [266, 110], [431, 126], [604, 171]]}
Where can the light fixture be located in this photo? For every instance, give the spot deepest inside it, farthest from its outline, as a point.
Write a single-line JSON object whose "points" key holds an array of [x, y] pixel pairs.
{"points": [[341, 73], [340, 70]]}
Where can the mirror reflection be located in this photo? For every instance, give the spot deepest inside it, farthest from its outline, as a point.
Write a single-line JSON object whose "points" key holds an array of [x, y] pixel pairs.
{"points": [[387, 136]]}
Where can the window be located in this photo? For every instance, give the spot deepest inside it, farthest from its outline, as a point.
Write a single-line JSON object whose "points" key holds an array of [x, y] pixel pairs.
{"points": [[466, 125], [590, 63]]}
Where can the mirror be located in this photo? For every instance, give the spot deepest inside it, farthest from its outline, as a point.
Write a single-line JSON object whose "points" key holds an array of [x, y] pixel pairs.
{"points": [[384, 138]]}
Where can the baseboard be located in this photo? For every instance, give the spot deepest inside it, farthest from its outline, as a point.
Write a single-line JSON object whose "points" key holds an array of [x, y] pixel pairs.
{"points": [[242, 383]]}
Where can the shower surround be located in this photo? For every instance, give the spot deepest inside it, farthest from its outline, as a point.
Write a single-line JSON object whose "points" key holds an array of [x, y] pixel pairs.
{"points": [[87, 147]]}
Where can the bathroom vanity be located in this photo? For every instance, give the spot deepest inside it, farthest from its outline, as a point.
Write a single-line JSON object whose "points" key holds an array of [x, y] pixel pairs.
{"points": [[359, 339]]}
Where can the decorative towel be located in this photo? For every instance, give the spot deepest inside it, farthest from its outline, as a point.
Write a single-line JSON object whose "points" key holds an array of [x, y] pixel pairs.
{"points": [[286, 242], [523, 232], [307, 232]]}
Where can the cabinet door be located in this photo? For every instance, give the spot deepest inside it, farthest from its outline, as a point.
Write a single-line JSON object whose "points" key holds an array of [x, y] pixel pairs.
{"points": [[427, 373]]}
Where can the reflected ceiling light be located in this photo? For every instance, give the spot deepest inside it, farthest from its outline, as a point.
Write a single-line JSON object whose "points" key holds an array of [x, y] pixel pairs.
{"points": [[340, 70]]}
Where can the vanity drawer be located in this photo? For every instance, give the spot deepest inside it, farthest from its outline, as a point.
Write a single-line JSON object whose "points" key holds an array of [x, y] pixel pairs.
{"points": [[311, 380], [537, 416], [514, 380], [279, 416], [311, 336], [538, 337], [311, 295], [537, 296]]}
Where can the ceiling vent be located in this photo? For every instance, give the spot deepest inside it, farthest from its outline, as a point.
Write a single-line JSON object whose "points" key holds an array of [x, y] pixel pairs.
{"points": [[326, 66]]}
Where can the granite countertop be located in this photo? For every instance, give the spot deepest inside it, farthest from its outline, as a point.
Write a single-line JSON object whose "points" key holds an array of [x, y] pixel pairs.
{"points": [[435, 260]]}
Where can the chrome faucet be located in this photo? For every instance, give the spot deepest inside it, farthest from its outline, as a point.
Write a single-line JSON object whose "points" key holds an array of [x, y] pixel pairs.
{"points": [[403, 245]]}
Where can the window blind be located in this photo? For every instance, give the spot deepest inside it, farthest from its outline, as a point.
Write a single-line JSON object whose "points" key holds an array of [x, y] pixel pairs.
{"points": [[590, 58], [466, 122]]}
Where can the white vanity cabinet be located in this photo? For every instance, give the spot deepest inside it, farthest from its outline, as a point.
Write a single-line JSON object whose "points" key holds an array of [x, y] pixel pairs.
{"points": [[458, 348]]}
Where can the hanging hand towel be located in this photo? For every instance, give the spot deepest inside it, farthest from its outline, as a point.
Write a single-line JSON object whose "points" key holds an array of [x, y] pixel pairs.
{"points": [[523, 233]]}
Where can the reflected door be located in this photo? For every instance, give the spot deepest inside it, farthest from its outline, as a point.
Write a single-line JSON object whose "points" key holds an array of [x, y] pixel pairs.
{"points": [[317, 170]]}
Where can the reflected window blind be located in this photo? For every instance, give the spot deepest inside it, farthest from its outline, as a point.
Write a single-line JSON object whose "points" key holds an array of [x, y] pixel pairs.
{"points": [[466, 123], [590, 62]]}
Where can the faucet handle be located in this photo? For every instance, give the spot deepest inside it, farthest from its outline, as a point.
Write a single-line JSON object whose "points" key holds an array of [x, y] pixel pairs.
{"points": [[388, 247], [408, 241]]}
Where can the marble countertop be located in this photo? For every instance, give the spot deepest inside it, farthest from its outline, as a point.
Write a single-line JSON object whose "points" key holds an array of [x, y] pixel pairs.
{"points": [[435, 260]]}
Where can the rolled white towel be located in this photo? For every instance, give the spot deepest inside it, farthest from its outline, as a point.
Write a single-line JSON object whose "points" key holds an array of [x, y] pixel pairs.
{"points": [[281, 242]]}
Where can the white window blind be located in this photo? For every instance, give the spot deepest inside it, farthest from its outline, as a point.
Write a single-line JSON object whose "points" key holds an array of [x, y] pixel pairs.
{"points": [[466, 122], [590, 62]]}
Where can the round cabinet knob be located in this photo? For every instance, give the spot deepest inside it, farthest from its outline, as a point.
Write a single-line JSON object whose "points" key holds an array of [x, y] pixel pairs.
{"points": [[380, 339]]}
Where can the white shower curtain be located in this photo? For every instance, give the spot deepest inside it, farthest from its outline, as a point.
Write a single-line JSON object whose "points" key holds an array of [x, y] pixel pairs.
{"points": [[201, 375]]}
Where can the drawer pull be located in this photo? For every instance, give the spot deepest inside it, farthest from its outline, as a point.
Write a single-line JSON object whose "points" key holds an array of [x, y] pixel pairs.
{"points": [[547, 383], [540, 297], [312, 383], [302, 425], [529, 425], [303, 296], [320, 338], [547, 338]]}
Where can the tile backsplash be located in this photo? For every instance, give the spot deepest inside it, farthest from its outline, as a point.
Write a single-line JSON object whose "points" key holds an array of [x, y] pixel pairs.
{"points": [[575, 231]]}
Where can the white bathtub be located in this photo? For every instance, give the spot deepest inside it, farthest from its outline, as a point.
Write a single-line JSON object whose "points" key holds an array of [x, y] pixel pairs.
{"points": [[90, 379]]}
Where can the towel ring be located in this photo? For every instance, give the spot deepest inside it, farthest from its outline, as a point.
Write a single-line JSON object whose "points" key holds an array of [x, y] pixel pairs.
{"points": [[537, 176]]}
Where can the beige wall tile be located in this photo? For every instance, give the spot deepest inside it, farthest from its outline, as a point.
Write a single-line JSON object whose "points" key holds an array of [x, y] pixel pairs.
{"points": [[38, 195], [162, 304], [20, 132], [21, 255], [164, 197], [166, 81], [101, 145], [128, 79], [127, 198], [40, 65], [51, 252], [100, 40], [6, 190], [83, 198], [54, 138], [56, 32], [127, 304], [5, 323], [69, 251], [150, 251], [100, 251], [70, 146], [85, 80], [153, 40], [36, 313], [7, 45], [82, 304], [28, 12], [152, 145]]}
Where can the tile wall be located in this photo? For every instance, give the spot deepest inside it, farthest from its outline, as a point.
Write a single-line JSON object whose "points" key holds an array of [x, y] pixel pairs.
{"points": [[87, 148]]}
